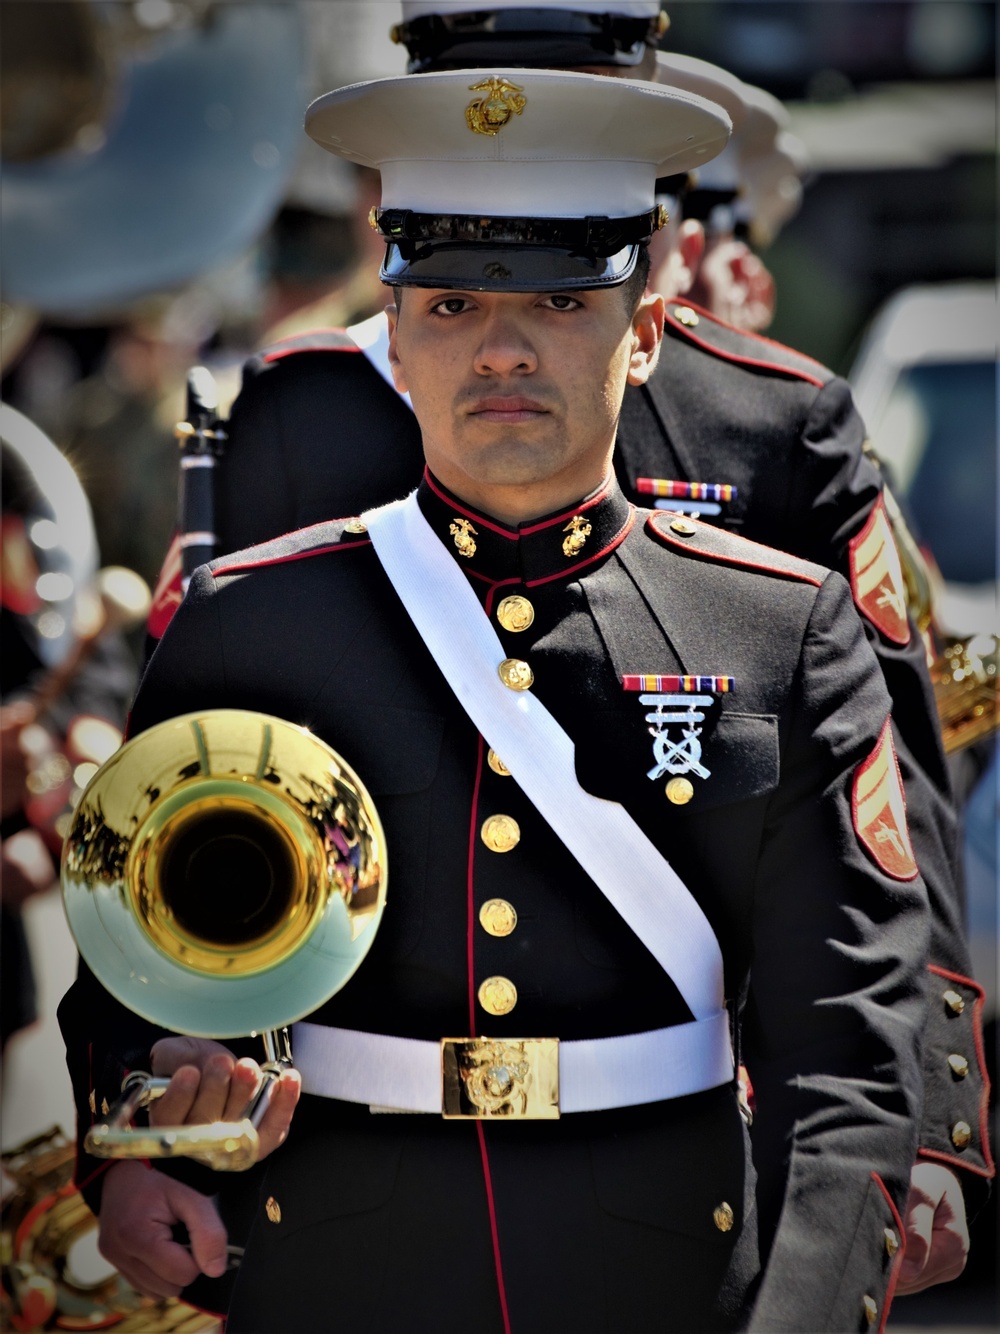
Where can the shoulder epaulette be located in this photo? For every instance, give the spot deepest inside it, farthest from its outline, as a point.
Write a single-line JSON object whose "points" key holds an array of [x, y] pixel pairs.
{"points": [[711, 543], [315, 340], [698, 326], [316, 540]]}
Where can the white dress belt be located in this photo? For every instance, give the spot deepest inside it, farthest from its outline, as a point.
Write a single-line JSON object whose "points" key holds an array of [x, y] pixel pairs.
{"points": [[404, 1074]]}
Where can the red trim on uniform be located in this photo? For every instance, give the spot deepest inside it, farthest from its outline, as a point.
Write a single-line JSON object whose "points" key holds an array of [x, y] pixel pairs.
{"points": [[295, 555], [790, 572], [493, 583], [736, 356], [579, 509], [989, 1171], [128, 724], [501, 1287], [616, 541], [898, 1258], [283, 352], [80, 1185], [469, 514], [470, 931]]}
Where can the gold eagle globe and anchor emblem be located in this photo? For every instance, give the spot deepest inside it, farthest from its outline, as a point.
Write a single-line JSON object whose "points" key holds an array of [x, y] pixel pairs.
{"points": [[462, 531], [500, 101], [579, 530]]}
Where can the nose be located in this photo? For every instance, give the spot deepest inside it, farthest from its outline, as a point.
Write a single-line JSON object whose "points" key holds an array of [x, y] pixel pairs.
{"points": [[504, 347]]}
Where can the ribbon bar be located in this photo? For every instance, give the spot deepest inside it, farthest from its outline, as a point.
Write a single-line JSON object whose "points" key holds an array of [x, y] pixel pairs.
{"points": [[661, 486], [686, 685]]}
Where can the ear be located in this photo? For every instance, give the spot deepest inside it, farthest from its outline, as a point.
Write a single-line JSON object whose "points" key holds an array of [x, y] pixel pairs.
{"points": [[690, 249], [647, 333], [398, 376]]}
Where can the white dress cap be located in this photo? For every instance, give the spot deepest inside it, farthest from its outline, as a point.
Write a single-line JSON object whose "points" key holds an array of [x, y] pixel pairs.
{"points": [[564, 145]]}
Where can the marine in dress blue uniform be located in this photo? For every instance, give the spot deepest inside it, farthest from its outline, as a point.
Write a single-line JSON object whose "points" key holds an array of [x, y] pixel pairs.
{"points": [[787, 826]]}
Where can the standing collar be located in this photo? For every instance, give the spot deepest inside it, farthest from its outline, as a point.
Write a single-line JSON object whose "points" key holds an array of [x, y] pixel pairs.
{"points": [[554, 546]]}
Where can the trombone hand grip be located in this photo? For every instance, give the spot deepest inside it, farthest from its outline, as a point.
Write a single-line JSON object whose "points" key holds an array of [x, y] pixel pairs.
{"points": [[224, 1146]]}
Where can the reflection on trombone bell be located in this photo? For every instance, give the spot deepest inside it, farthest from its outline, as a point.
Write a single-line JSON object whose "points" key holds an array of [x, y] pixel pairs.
{"points": [[225, 874]]}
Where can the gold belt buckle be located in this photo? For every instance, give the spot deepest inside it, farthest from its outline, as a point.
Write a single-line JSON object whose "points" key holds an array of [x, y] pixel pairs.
{"points": [[491, 1078]]}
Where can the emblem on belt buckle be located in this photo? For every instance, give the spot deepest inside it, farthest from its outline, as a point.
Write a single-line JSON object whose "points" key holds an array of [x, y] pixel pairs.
{"points": [[487, 1078]]}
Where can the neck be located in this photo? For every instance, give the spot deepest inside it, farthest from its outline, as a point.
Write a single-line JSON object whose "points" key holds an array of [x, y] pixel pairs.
{"points": [[517, 503]]}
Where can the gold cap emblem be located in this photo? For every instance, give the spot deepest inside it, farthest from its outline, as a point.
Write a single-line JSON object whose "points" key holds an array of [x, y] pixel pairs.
{"points": [[515, 613], [723, 1216], [500, 833], [516, 675], [579, 530], [497, 917], [497, 764], [498, 995], [462, 530], [493, 110]]}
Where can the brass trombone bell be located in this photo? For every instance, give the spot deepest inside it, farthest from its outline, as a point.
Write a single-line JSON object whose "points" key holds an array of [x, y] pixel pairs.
{"points": [[224, 874]]}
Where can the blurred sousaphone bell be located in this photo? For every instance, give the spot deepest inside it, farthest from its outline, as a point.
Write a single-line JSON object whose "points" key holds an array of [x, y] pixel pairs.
{"points": [[224, 875]]}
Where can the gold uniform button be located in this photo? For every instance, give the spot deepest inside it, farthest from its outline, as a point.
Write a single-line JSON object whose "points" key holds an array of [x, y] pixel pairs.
{"points": [[871, 1310], [686, 316], [959, 1065], [497, 917], [683, 528], [954, 1002], [679, 791], [723, 1217], [891, 1242], [273, 1209], [500, 833], [961, 1134], [497, 995], [355, 526], [92, 1102], [497, 764], [515, 613], [516, 674], [104, 1107]]}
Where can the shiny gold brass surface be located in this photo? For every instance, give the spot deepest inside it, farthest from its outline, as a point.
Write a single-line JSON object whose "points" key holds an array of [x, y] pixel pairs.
{"points": [[961, 1134], [954, 1002], [53, 1278], [497, 764], [686, 316], [497, 917], [497, 995], [891, 1242], [500, 101], [514, 1078], [273, 1210], [500, 833], [965, 691], [516, 674], [515, 613], [959, 1065], [723, 1217], [355, 526], [871, 1310], [683, 528], [579, 530], [225, 874], [679, 791]]}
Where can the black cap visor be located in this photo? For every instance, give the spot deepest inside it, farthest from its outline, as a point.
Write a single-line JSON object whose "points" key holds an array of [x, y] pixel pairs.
{"points": [[486, 266], [540, 38]]}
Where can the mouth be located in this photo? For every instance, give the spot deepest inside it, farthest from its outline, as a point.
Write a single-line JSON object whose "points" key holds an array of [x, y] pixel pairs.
{"points": [[507, 410]]}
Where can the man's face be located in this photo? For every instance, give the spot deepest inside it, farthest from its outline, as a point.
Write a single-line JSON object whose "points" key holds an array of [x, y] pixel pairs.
{"points": [[518, 394]]}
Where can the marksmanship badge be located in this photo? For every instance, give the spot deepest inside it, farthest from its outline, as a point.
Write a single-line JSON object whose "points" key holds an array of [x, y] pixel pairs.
{"points": [[500, 102], [676, 703]]}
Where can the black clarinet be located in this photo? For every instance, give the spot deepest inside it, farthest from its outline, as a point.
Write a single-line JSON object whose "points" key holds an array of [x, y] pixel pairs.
{"points": [[202, 442]]}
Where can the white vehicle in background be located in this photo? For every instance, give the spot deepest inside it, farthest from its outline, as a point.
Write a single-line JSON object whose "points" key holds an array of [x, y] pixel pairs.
{"points": [[925, 382]]}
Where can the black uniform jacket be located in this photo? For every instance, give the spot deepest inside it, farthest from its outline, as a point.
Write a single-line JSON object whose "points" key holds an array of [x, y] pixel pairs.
{"points": [[610, 1220]]}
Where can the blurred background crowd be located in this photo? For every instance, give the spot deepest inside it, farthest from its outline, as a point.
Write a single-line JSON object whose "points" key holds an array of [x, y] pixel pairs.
{"points": [[160, 207]]}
